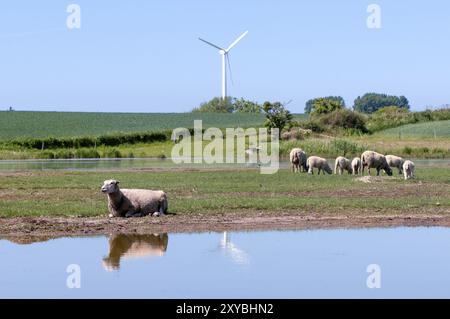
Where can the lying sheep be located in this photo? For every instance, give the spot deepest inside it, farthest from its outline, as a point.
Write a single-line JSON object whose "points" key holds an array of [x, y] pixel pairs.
{"points": [[342, 164], [298, 160], [375, 160], [408, 169], [395, 161], [318, 162], [133, 202], [356, 165]]}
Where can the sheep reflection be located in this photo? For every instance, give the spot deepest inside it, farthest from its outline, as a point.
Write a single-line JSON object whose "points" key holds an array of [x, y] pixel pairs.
{"points": [[124, 246]]}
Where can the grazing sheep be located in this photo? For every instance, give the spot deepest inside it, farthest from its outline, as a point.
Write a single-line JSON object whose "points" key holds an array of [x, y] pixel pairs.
{"points": [[318, 162], [356, 165], [298, 160], [133, 202], [342, 164], [395, 161], [375, 160], [408, 169]]}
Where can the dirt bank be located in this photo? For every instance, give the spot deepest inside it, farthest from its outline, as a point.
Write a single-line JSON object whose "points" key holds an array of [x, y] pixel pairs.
{"points": [[81, 226]]}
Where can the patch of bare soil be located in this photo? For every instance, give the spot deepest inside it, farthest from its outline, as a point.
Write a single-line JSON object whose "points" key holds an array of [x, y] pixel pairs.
{"points": [[28, 229]]}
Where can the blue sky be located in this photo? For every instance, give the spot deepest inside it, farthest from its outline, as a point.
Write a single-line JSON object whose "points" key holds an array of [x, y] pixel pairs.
{"points": [[144, 56]]}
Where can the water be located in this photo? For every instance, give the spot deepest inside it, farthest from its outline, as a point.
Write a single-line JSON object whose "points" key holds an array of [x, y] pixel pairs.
{"points": [[141, 163], [414, 262]]}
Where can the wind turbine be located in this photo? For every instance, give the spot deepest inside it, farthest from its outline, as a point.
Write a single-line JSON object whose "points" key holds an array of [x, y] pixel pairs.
{"points": [[224, 53]]}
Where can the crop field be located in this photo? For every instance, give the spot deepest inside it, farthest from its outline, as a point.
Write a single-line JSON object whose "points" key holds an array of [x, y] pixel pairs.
{"points": [[65, 124], [420, 130]]}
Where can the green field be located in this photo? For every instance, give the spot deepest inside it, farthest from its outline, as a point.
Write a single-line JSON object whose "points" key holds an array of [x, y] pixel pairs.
{"points": [[65, 124], [62, 193], [420, 130]]}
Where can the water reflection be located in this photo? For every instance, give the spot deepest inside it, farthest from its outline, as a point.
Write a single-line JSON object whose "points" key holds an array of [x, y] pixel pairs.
{"points": [[237, 255], [124, 246]]}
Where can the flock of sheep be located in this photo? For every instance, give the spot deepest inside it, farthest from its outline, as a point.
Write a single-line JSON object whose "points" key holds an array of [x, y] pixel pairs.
{"points": [[371, 159], [142, 202]]}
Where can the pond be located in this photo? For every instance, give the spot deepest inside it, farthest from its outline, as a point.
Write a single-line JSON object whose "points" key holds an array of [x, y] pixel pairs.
{"points": [[142, 163], [357, 263]]}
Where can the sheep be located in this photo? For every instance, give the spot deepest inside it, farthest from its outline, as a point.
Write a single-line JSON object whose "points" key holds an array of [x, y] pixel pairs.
{"points": [[408, 169], [375, 160], [395, 161], [356, 165], [342, 164], [133, 202], [298, 160], [318, 162]]}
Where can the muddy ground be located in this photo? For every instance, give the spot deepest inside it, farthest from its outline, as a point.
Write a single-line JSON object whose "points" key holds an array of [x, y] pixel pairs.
{"points": [[25, 229]]}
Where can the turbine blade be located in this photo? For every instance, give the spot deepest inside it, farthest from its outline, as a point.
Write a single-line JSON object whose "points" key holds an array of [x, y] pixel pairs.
{"points": [[237, 40], [211, 44], [229, 68]]}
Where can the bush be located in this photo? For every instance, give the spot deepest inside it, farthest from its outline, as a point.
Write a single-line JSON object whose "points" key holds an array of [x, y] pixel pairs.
{"points": [[86, 153], [393, 116], [64, 154], [47, 155], [344, 119], [325, 106], [216, 105], [310, 103], [229, 105], [112, 153], [407, 150], [90, 142], [312, 125]]}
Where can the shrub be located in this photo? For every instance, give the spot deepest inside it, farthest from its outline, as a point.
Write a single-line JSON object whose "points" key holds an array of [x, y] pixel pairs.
{"points": [[393, 116], [407, 150], [47, 155], [86, 153], [344, 119], [112, 153], [64, 154]]}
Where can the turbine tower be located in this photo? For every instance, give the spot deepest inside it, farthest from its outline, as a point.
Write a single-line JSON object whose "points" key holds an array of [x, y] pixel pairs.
{"points": [[225, 59]]}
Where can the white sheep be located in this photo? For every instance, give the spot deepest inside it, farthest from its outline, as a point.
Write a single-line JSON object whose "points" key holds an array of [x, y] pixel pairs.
{"points": [[318, 162], [375, 160], [408, 169], [356, 165], [298, 160], [340, 164], [133, 202], [395, 161]]}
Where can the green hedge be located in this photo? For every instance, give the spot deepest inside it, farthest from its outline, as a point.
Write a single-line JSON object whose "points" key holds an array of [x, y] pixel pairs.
{"points": [[78, 142]]}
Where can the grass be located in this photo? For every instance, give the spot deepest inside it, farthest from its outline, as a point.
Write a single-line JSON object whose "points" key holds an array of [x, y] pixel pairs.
{"points": [[67, 124], [58, 193], [438, 129]]}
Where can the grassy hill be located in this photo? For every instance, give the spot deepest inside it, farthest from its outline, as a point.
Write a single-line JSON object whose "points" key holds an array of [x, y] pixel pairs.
{"points": [[66, 124], [438, 129]]}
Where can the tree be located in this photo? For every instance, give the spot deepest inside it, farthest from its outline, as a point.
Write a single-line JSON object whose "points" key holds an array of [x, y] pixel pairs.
{"points": [[309, 104], [229, 105], [216, 105], [277, 116], [372, 102], [325, 106], [245, 106]]}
